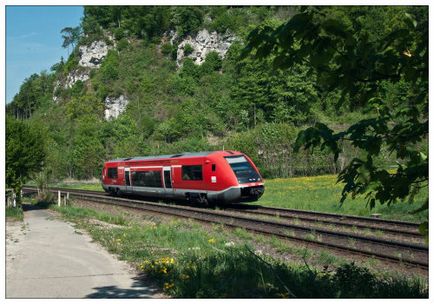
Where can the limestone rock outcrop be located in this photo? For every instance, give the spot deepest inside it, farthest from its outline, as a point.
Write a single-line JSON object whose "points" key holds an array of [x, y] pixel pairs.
{"points": [[114, 106], [74, 76], [92, 55], [203, 43]]}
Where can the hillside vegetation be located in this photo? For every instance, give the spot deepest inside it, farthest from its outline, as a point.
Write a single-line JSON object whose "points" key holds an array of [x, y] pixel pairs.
{"points": [[235, 102]]}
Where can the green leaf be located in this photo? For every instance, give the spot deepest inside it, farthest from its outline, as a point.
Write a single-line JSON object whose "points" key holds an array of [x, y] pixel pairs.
{"points": [[410, 20]]}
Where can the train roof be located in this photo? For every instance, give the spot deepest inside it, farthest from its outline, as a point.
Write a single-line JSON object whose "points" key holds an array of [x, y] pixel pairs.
{"points": [[170, 156]]}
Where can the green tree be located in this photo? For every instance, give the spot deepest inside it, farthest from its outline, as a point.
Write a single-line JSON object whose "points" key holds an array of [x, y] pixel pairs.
{"points": [[110, 67], [35, 92], [352, 55], [25, 152], [278, 96], [70, 36], [187, 20]]}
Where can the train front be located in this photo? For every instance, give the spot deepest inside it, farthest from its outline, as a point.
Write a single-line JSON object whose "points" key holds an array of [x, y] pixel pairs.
{"points": [[250, 181]]}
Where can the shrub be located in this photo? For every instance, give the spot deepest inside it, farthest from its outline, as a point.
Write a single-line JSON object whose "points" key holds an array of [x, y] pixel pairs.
{"points": [[169, 50], [110, 67], [71, 64], [212, 63], [122, 44], [188, 49], [352, 281], [119, 33]]}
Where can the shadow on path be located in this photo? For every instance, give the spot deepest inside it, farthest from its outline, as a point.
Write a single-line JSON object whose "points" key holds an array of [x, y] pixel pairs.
{"points": [[31, 207], [141, 288]]}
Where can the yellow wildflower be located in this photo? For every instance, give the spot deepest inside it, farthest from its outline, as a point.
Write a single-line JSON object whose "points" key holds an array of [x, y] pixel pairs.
{"points": [[168, 285], [212, 241]]}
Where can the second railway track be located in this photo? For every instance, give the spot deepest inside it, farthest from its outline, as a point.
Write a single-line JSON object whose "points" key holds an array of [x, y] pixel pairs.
{"points": [[400, 228], [409, 253]]}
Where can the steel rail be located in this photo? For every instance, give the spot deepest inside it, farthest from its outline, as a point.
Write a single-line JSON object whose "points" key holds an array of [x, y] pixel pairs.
{"points": [[401, 228], [337, 215]]}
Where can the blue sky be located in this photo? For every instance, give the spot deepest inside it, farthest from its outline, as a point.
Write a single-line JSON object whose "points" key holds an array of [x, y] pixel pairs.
{"points": [[33, 40]]}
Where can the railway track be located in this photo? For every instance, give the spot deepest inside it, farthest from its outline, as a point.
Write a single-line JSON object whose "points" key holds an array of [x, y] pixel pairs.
{"points": [[410, 253], [399, 228], [389, 227]]}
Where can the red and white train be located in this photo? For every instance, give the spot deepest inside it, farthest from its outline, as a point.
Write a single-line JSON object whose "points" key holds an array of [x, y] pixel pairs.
{"points": [[205, 177]]}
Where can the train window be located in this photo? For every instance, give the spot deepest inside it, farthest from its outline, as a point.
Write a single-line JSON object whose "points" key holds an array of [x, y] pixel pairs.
{"points": [[243, 169], [192, 172], [112, 173], [147, 179], [213, 168]]}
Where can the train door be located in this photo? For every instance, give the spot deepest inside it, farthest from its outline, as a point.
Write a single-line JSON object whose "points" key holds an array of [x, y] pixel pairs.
{"points": [[128, 187], [167, 175]]}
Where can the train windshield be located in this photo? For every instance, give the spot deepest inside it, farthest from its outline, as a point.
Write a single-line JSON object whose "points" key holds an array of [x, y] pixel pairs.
{"points": [[243, 169]]}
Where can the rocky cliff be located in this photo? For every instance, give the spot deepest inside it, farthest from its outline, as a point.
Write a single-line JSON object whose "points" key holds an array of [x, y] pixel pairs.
{"points": [[90, 57], [114, 106], [203, 43]]}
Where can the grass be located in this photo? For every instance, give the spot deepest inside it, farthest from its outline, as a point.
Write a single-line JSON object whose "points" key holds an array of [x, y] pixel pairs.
{"points": [[76, 213], [321, 193], [81, 186], [15, 213], [190, 262], [92, 184]]}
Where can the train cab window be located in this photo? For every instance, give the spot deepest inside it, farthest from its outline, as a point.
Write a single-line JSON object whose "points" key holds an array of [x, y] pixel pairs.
{"points": [[192, 172], [213, 167], [243, 169], [112, 173]]}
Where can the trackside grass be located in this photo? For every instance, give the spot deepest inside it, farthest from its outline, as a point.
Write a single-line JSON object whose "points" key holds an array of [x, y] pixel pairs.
{"points": [[187, 260], [322, 193], [14, 213], [82, 186]]}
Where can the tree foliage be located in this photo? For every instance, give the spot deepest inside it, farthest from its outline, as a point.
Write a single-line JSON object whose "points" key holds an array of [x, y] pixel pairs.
{"points": [[70, 36], [25, 152], [359, 59], [35, 92]]}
